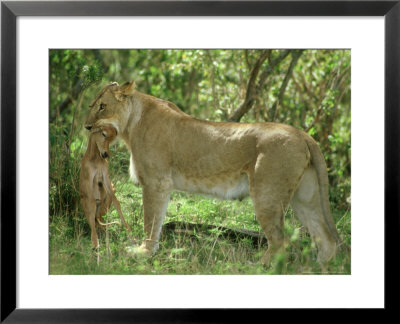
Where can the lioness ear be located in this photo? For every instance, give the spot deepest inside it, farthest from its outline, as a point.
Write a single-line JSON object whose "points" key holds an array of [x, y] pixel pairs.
{"points": [[126, 90]]}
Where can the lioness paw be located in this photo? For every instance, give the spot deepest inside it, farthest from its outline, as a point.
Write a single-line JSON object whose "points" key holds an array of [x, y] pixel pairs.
{"points": [[139, 251]]}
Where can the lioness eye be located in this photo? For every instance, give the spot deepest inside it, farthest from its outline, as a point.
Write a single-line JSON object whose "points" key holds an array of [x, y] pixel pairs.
{"points": [[102, 106], [104, 134]]}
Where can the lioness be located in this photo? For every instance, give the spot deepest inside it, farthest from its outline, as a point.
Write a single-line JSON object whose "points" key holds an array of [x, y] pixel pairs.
{"points": [[275, 164]]}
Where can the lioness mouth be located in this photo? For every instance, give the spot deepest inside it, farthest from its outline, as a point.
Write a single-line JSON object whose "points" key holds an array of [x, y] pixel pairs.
{"points": [[104, 155]]}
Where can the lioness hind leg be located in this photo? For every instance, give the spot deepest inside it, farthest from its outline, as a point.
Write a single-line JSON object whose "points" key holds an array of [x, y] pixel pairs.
{"points": [[270, 205], [271, 221], [307, 207], [271, 188]]}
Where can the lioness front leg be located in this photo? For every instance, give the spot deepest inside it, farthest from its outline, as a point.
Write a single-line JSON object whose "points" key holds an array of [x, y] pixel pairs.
{"points": [[155, 203]]}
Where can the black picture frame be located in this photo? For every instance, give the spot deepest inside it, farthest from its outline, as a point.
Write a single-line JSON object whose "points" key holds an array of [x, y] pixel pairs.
{"points": [[11, 10]]}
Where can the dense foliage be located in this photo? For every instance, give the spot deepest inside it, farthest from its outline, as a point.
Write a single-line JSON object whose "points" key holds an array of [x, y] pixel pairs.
{"points": [[309, 89]]}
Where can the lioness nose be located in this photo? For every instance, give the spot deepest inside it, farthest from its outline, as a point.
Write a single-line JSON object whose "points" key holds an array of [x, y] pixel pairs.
{"points": [[105, 155], [88, 127]]}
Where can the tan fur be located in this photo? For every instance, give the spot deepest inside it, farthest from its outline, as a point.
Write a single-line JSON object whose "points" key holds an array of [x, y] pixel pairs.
{"points": [[96, 189], [275, 164]]}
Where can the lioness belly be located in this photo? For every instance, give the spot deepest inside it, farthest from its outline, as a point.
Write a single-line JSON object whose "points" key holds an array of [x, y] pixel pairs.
{"points": [[233, 186]]}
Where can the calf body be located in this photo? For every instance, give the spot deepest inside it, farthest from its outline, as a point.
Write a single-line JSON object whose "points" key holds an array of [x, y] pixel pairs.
{"points": [[96, 189]]}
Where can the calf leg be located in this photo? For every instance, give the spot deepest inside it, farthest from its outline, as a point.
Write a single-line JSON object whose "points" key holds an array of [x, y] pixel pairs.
{"points": [[99, 216], [89, 208], [121, 216]]}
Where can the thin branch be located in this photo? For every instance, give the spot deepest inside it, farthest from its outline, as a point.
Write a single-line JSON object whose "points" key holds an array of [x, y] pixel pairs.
{"points": [[316, 119], [247, 59], [295, 57], [213, 87], [272, 64], [321, 99], [251, 89]]}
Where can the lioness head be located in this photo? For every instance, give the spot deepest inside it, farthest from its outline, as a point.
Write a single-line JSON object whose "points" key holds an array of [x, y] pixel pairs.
{"points": [[108, 104], [103, 136]]}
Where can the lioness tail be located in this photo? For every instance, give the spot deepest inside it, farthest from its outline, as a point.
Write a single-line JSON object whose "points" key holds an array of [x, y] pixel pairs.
{"points": [[318, 161]]}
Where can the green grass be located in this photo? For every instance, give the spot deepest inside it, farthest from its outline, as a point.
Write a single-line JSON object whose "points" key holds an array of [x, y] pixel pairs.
{"points": [[203, 252]]}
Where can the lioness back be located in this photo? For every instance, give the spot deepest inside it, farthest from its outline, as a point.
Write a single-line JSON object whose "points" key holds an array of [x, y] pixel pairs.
{"points": [[218, 158]]}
